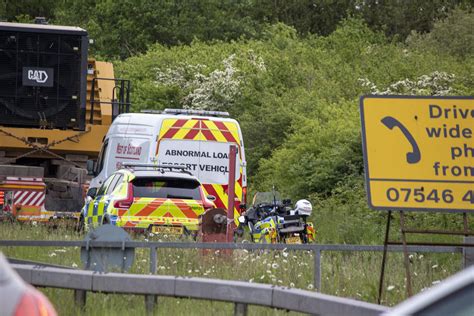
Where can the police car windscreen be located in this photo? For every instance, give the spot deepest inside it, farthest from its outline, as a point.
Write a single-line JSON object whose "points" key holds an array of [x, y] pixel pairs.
{"points": [[167, 188]]}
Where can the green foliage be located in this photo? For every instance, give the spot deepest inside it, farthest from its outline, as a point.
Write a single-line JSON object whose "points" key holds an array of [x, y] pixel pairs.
{"points": [[453, 35], [323, 149], [299, 111], [291, 72], [25, 11], [124, 28]]}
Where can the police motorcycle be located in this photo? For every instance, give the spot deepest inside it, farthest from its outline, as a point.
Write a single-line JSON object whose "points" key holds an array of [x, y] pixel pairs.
{"points": [[271, 220]]}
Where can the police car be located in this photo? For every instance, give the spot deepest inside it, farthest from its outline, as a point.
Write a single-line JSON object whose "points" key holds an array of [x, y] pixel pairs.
{"points": [[155, 198]]}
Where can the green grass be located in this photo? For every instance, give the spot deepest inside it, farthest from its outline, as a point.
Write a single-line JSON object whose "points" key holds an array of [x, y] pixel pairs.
{"points": [[352, 274]]}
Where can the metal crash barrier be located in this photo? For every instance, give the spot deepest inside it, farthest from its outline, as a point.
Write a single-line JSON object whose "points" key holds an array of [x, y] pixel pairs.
{"points": [[240, 293]]}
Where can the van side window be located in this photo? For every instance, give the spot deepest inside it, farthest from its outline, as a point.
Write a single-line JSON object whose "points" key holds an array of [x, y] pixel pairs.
{"points": [[102, 154]]}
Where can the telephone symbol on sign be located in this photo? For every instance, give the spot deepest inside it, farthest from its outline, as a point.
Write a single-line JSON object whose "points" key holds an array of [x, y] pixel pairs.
{"points": [[413, 156]]}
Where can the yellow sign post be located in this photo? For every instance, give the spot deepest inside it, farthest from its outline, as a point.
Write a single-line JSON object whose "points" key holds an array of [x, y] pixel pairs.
{"points": [[419, 152]]}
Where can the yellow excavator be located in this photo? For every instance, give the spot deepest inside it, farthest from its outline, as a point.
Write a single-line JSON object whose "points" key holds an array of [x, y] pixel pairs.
{"points": [[56, 105]]}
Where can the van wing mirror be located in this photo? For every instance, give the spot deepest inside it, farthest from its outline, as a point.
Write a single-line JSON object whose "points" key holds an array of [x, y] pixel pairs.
{"points": [[90, 165]]}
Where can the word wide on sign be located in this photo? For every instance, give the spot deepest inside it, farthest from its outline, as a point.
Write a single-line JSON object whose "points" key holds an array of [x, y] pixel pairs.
{"points": [[419, 152]]}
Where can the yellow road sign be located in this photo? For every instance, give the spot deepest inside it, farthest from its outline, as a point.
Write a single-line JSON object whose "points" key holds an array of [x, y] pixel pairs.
{"points": [[419, 152]]}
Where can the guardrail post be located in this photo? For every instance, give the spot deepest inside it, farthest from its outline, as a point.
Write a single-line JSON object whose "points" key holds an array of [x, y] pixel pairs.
{"points": [[153, 260], [80, 298], [317, 269], [468, 252], [240, 309], [150, 300]]}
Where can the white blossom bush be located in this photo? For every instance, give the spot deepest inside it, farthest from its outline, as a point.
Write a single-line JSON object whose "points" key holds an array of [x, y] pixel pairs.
{"points": [[216, 91], [437, 83]]}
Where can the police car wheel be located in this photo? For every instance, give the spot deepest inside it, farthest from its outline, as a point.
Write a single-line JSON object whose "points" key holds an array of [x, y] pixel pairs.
{"points": [[106, 220]]}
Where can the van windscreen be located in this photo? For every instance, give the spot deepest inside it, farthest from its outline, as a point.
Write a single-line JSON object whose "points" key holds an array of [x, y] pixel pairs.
{"points": [[167, 188]]}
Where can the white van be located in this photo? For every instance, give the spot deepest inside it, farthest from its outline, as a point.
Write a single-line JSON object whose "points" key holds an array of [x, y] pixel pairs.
{"points": [[196, 139]]}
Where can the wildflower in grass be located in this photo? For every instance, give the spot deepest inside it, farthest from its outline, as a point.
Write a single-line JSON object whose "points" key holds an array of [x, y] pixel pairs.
{"points": [[174, 262], [420, 257], [358, 294], [435, 282], [34, 223], [434, 266], [53, 254], [275, 265], [285, 261], [310, 286], [280, 281], [292, 284], [269, 272], [262, 277], [74, 265], [251, 280], [390, 287], [190, 271]]}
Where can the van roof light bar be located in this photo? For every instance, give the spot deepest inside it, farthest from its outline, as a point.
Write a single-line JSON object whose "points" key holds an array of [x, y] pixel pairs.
{"points": [[132, 165], [188, 112]]}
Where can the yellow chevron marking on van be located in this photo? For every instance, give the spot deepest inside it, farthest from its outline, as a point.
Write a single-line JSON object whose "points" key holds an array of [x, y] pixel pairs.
{"points": [[215, 131], [232, 127]]}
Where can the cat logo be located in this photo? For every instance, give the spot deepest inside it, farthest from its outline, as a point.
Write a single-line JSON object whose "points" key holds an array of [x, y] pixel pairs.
{"points": [[40, 76], [37, 76]]}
